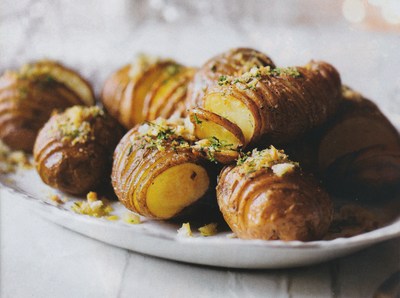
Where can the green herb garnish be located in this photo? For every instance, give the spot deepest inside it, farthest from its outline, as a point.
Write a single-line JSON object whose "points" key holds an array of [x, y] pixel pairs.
{"points": [[196, 119]]}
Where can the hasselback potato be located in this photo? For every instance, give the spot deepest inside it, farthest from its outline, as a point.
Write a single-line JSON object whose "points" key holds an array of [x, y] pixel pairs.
{"points": [[146, 89], [73, 151], [234, 62], [267, 196], [28, 96], [357, 153], [156, 172], [276, 104]]}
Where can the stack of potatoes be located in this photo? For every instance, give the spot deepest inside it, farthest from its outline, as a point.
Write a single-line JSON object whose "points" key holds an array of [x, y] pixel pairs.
{"points": [[227, 118]]}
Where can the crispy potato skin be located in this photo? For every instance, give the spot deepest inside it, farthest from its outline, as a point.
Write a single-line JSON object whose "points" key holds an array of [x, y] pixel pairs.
{"points": [[357, 152], [158, 90], [76, 168], [285, 107], [233, 62], [261, 205], [136, 166], [367, 163], [70, 78], [26, 103]]}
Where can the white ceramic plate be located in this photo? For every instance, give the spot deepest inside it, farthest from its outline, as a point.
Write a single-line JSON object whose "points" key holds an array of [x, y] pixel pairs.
{"points": [[161, 239]]}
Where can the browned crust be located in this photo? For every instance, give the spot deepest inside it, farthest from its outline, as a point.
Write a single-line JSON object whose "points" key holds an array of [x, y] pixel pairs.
{"points": [[135, 167], [26, 104], [285, 107], [264, 206], [233, 63], [80, 167]]}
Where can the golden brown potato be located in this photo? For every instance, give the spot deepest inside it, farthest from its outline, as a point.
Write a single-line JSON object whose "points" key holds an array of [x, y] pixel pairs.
{"points": [[28, 97], [277, 104], [73, 151], [146, 89], [234, 62], [359, 152], [267, 196], [210, 124], [64, 75], [155, 171]]}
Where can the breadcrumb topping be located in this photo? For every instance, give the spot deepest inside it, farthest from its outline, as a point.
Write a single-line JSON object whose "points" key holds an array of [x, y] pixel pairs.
{"points": [[349, 93], [132, 218], [93, 206], [75, 124], [185, 230], [143, 62], [250, 79], [177, 133], [56, 199], [271, 158], [208, 230], [10, 160], [161, 134], [212, 146]]}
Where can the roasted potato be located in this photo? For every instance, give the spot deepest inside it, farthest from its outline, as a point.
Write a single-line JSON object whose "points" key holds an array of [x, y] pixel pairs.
{"points": [[234, 62], [357, 153], [73, 151], [267, 196], [277, 105], [146, 89], [28, 96], [156, 173]]}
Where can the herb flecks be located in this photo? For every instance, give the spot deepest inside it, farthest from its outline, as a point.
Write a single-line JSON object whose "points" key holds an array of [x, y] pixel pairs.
{"points": [[275, 160], [162, 134], [75, 124], [196, 119], [211, 146], [250, 79], [223, 80]]}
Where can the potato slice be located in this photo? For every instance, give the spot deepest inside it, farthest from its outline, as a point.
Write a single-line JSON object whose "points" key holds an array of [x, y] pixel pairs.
{"points": [[137, 90], [234, 110], [113, 90], [164, 98], [176, 188], [208, 124], [69, 78], [156, 173]]}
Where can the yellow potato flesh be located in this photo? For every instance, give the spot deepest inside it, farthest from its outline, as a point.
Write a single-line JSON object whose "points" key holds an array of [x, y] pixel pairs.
{"points": [[175, 189], [164, 92], [208, 129], [232, 109]]}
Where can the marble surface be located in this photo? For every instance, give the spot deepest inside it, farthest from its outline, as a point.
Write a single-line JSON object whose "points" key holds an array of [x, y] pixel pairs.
{"points": [[40, 259]]}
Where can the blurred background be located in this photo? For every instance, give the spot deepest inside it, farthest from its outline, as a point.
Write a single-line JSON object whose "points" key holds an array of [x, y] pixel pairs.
{"points": [[360, 37]]}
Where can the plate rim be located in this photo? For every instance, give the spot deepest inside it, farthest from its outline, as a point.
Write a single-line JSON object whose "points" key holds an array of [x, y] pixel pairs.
{"points": [[381, 234]]}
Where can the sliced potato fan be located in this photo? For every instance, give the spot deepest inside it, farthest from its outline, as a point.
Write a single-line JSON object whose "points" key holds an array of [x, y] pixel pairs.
{"points": [[68, 77], [147, 89], [73, 150], [277, 105], [156, 173], [28, 97], [208, 125], [267, 196], [234, 62]]}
